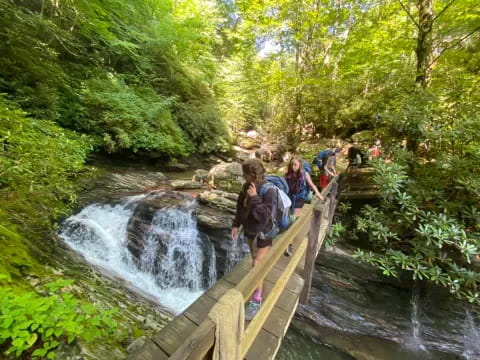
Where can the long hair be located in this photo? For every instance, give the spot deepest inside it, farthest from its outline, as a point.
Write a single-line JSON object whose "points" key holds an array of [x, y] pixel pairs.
{"points": [[290, 171], [292, 177], [254, 167]]}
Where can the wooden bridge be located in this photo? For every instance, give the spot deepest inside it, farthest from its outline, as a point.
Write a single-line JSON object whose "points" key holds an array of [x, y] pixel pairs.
{"points": [[214, 326]]}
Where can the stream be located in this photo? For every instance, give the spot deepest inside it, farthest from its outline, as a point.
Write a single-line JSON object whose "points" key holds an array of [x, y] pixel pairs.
{"points": [[354, 313]]}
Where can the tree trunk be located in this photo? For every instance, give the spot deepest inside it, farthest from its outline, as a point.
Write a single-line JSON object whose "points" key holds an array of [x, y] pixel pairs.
{"points": [[424, 42]]}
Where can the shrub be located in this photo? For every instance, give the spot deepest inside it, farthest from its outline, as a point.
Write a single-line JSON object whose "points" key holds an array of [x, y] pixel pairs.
{"points": [[34, 324]]}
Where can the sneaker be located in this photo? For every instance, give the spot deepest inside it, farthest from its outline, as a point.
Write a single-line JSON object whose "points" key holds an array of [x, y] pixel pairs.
{"points": [[289, 250], [252, 309]]}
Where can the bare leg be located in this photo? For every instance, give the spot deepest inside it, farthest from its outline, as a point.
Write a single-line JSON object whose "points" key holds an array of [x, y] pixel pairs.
{"points": [[258, 257]]}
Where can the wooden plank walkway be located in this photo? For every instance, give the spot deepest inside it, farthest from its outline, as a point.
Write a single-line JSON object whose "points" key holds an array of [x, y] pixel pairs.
{"points": [[266, 345], [287, 280]]}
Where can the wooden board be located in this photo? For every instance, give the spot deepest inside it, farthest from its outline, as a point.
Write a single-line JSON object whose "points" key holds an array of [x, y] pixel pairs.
{"points": [[269, 339], [174, 334], [198, 311], [149, 351]]}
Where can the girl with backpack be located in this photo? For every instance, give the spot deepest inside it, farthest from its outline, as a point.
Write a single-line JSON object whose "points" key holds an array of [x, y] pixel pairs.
{"points": [[254, 214], [299, 182]]}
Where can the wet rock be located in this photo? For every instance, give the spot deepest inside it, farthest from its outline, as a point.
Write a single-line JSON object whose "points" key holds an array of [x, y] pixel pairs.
{"points": [[227, 176], [220, 200], [357, 298], [176, 166], [136, 345], [213, 219], [141, 221], [200, 175], [186, 185]]}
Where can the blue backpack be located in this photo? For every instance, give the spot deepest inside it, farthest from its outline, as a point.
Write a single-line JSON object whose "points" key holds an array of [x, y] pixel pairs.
{"points": [[307, 167], [321, 159], [278, 181], [281, 208]]}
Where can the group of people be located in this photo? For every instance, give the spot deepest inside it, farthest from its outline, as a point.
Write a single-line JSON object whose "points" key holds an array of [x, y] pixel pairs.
{"points": [[358, 158], [256, 207]]}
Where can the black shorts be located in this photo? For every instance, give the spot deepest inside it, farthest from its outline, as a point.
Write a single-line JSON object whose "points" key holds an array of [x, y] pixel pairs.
{"points": [[299, 203], [261, 243]]}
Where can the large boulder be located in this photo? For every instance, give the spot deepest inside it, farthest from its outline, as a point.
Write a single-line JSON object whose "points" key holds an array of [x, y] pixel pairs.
{"points": [[227, 176], [221, 200], [241, 155], [141, 221], [249, 140]]}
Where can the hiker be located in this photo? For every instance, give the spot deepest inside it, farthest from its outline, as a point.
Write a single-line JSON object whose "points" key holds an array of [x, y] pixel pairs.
{"points": [[254, 214], [299, 182], [327, 166], [374, 151], [356, 158]]}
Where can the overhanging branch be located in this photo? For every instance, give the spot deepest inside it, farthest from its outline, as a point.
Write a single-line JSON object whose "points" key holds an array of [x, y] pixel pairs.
{"points": [[409, 15], [455, 44]]}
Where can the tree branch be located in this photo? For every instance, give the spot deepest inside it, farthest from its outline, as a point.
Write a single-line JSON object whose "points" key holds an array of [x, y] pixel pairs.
{"points": [[453, 45], [409, 15], [444, 9]]}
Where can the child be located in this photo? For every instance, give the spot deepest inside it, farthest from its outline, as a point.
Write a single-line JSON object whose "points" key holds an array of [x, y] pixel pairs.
{"points": [[297, 179], [254, 213]]}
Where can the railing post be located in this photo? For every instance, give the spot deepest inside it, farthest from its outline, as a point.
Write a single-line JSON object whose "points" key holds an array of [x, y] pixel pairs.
{"points": [[311, 254], [333, 204]]}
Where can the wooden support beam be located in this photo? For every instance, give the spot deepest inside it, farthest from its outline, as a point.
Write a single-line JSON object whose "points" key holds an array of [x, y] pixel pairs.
{"points": [[311, 255], [257, 322]]}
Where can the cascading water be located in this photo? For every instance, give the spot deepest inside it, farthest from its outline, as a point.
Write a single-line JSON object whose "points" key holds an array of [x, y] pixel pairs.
{"points": [[471, 338], [415, 341], [176, 264]]}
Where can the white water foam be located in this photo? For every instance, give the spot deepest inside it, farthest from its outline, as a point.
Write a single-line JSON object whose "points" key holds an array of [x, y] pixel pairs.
{"points": [[99, 233]]}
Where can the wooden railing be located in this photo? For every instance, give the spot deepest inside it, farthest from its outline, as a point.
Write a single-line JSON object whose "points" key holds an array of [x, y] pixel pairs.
{"points": [[307, 233]]}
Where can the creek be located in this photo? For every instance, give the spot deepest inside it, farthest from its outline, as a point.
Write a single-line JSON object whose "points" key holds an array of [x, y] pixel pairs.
{"points": [[154, 241]]}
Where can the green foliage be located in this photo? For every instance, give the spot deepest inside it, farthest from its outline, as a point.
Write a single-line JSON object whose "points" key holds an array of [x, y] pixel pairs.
{"points": [[38, 161], [418, 227], [39, 324], [336, 232], [116, 70], [202, 123], [129, 118]]}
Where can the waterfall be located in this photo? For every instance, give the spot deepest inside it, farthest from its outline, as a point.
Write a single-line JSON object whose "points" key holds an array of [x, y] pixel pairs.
{"points": [[471, 338], [175, 277], [415, 341]]}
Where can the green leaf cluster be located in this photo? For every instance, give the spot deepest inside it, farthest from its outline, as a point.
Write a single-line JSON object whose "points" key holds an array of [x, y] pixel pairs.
{"points": [[418, 227], [35, 324]]}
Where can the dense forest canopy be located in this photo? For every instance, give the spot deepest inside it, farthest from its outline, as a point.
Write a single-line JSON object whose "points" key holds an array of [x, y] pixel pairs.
{"points": [[172, 78]]}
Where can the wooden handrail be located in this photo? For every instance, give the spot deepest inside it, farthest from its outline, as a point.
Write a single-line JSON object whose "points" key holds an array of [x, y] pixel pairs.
{"points": [[318, 217], [255, 276]]}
